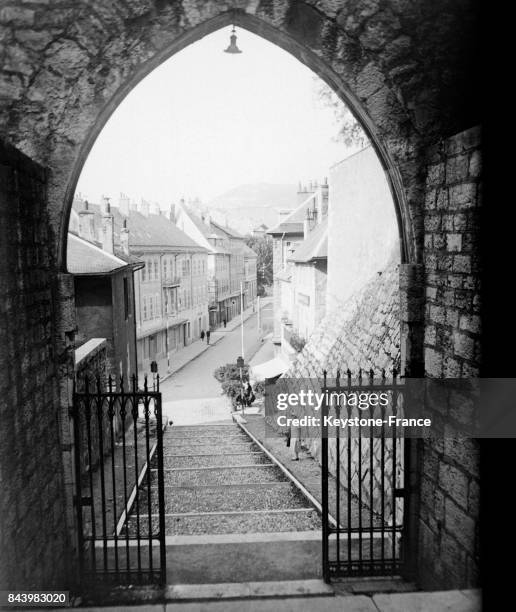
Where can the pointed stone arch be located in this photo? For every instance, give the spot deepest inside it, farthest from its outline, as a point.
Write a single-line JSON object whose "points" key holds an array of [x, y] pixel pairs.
{"points": [[298, 49]]}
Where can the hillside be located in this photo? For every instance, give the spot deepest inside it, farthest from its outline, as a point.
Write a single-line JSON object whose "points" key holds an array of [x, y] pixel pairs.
{"points": [[248, 206]]}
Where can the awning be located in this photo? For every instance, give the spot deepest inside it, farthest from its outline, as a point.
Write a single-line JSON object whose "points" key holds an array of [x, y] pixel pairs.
{"points": [[269, 369]]}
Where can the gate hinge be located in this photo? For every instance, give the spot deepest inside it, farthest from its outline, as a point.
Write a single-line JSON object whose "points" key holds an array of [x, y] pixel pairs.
{"points": [[85, 501], [400, 492]]}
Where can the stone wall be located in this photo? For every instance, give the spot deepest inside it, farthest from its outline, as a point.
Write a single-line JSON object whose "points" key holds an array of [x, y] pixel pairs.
{"points": [[364, 332], [408, 70], [31, 471], [451, 258], [449, 470], [91, 363]]}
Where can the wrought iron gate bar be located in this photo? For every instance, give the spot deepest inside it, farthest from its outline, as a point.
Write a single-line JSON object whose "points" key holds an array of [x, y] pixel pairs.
{"points": [[110, 462], [373, 489]]}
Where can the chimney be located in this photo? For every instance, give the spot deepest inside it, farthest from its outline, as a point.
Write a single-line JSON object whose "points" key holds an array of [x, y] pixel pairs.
{"points": [[87, 223], [303, 192], [78, 200], [155, 209], [124, 238], [322, 201], [105, 207], [207, 219], [144, 207], [108, 230], [133, 206], [123, 204], [310, 221], [172, 213]]}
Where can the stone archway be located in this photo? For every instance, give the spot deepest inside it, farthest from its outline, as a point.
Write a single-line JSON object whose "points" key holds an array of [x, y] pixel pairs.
{"points": [[399, 66], [301, 52]]}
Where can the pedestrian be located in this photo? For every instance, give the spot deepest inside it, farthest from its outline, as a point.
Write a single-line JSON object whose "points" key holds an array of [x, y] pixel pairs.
{"points": [[249, 395], [208, 336], [202, 335], [224, 323], [294, 442], [294, 437]]}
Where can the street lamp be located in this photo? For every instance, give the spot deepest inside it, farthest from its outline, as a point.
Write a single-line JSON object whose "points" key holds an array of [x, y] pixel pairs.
{"points": [[232, 43]]}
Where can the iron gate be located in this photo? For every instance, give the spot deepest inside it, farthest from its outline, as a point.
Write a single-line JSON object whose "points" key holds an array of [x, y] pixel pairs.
{"points": [[118, 435], [364, 498]]}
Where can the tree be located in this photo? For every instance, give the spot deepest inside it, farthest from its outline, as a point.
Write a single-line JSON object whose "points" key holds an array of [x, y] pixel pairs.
{"points": [[262, 246], [350, 132]]}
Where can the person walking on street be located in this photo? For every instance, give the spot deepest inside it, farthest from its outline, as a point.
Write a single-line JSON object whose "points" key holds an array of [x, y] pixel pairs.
{"points": [[208, 336], [224, 323], [249, 395], [202, 335], [294, 437]]}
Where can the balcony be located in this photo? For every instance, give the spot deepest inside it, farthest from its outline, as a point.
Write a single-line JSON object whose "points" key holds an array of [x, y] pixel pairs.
{"points": [[171, 281]]}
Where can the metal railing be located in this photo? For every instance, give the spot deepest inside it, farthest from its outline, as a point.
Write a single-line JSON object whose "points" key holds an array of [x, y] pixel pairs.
{"points": [[118, 437], [364, 497]]}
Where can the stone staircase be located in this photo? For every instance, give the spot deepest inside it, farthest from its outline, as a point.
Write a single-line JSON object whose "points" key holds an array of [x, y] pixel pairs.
{"points": [[233, 517]]}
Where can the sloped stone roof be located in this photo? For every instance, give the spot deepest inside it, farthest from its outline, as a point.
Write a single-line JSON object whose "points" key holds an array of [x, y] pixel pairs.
{"points": [[84, 257], [314, 247], [145, 231]]}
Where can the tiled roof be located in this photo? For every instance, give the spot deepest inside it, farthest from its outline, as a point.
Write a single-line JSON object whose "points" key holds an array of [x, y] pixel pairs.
{"points": [[227, 230], [157, 230], [84, 257], [146, 231], [314, 247], [209, 231], [243, 249], [293, 223], [287, 228]]}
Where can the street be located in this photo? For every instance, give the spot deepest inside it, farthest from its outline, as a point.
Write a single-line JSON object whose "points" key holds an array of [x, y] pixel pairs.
{"points": [[193, 395]]}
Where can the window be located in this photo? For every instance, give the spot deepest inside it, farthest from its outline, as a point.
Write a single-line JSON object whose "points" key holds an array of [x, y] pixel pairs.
{"points": [[145, 313], [156, 274], [142, 272]]}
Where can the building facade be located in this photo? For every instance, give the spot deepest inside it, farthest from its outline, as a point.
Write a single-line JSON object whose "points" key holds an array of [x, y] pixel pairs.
{"points": [[231, 264], [171, 289], [290, 232], [104, 302], [309, 279]]}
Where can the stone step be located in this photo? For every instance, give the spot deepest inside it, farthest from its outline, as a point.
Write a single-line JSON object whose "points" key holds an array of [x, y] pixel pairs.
{"points": [[238, 522], [201, 429], [248, 590], [220, 499], [210, 461], [244, 561], [225, 441], [229, 475], [208, 449]]}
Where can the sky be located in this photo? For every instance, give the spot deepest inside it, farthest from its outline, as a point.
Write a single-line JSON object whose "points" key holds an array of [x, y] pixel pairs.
{"points": [[206, 121]]}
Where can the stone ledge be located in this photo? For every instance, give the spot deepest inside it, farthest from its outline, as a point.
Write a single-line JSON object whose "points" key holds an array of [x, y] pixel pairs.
{"points": [[89, 349]]}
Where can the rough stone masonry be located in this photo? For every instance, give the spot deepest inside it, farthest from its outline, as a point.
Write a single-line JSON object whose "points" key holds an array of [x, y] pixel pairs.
{"points": [[407, 70]]}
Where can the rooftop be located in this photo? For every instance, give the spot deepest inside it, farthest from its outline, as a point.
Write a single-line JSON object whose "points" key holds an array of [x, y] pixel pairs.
{"points": [[314, 247], [145, 231], [85, 257], [293, 223]]}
